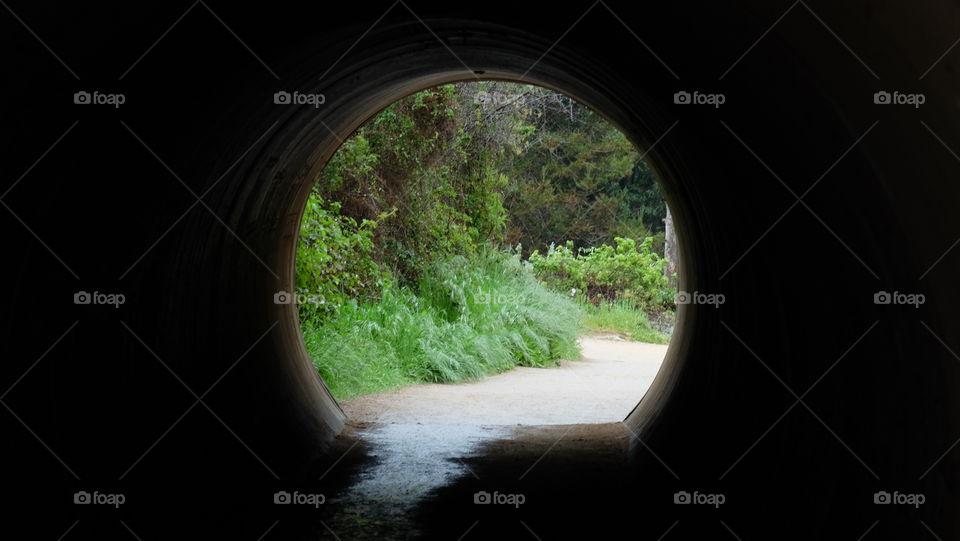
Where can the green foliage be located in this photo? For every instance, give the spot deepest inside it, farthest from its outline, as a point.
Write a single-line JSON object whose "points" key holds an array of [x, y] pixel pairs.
{"points": [[425, 158], [334, 259], [577, 177], [469, 317], [604, 273], [532, 166], [642, 196]]}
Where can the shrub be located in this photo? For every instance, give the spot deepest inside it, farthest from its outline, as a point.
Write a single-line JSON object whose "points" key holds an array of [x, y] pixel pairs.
{"points": [[624, 272], [334, 259]]}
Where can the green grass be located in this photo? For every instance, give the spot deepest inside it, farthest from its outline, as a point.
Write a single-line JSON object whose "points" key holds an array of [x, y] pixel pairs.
{"points": [[623, 318], [469, 318]]}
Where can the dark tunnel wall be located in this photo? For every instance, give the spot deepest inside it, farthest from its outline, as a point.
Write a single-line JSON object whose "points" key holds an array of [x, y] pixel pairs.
{"points": [[799, 198]]}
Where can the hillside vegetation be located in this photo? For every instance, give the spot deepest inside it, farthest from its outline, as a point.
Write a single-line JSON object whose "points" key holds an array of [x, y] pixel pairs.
{"points": [[474, 227]]}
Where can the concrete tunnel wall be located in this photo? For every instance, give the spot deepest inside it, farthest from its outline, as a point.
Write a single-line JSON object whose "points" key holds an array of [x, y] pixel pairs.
{"points": [[879, 215]]}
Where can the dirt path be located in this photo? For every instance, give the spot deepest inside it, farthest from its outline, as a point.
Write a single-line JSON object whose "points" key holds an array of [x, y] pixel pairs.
{"points": [[600, 388], [409, 452]]}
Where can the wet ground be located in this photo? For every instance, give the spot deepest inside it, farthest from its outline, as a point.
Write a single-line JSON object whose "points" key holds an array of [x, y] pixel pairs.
{"points": [[407, 462]]}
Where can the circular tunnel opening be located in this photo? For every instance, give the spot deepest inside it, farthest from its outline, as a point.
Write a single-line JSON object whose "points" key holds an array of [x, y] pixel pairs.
{"points": [[278, 184], [477, 227], [413, 311], [325, 129]]}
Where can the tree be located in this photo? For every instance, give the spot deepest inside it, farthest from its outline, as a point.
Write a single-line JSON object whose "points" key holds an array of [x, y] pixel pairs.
{"points": [[576, 177]]}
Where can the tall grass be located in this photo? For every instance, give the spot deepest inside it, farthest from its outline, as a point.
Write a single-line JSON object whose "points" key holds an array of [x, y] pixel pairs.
{"points": [[621, 317], [469, 317]]}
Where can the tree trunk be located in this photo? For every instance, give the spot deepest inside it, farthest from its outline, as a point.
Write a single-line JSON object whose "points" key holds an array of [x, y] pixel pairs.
{"points": [[670, 251]]}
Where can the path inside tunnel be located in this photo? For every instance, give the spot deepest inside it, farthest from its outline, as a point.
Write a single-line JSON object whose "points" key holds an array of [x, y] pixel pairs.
{"points": [[410, 447]]}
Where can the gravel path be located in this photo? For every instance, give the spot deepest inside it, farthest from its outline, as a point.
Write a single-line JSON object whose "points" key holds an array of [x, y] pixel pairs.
{"points": [[602, 387]]}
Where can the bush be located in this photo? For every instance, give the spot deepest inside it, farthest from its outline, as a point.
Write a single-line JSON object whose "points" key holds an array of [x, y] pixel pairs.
{"points": [[334, 259], [625, 272]]}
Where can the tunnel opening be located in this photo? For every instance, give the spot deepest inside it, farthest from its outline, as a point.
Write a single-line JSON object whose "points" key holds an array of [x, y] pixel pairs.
{"points": [[407, 462], [443, 326], [475, 227], [382, 84]]}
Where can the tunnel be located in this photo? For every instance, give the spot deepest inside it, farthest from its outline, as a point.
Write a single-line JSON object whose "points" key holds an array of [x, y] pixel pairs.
{"points": [[813, 203]]}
